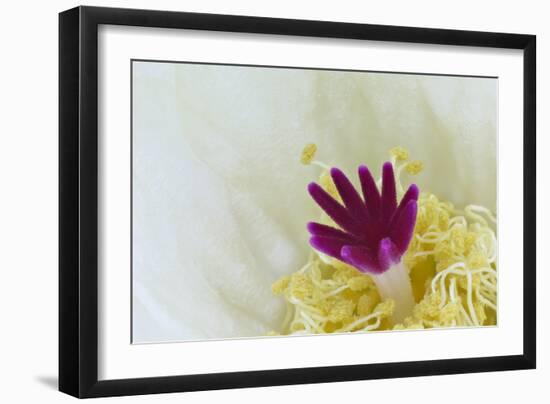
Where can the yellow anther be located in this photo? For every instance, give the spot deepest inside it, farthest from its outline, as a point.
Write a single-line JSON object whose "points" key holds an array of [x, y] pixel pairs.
{"points": [[477, 260], [431, 211], [300, 286], [411, 323], [279, 287], [414, 167], [308, 153], [469, 242], [443, 220], [296, 327], [428, 308], [367, 302], [344, 272], [359, 283], [385, 308], [457, 236], [421, 224], [443, 251], [341, 310], [400, 153], [328, 185]]}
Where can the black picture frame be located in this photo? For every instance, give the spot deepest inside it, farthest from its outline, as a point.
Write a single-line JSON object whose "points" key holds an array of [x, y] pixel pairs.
{"points": [[78, 200]]}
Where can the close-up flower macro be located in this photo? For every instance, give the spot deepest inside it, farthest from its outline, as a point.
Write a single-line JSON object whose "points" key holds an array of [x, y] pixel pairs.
{"points": [[270, 202]]}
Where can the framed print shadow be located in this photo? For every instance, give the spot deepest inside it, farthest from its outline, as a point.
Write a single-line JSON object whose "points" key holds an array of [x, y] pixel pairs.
{"points": [[249, 201]]}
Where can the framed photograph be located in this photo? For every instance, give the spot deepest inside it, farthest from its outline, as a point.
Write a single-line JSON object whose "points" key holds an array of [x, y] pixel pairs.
{"points": [[250, 201]]}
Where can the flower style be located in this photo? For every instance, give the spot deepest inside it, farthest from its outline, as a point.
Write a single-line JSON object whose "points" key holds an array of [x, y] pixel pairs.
{"points": [[374, 230]]}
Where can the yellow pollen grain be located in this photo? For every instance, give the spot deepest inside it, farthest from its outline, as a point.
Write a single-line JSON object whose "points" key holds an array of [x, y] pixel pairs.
{"points": [[341, 310], [385, 308], [443, 222], [300, 286], [328, 185], [308, 153], [457, 236], [359, 283], [367, 302], [477, 260], [279, 287], [400, 153], [343, 272], [414, 167]]}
